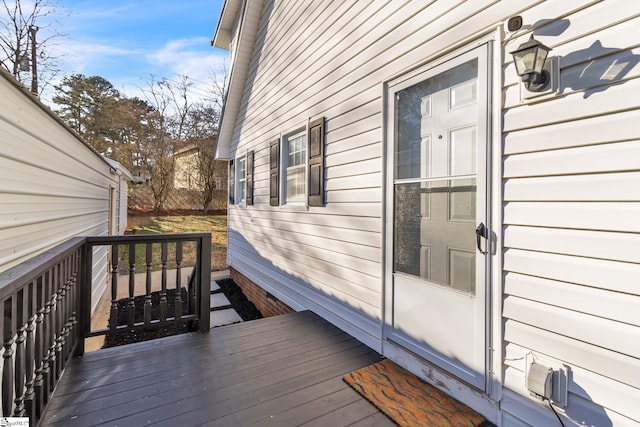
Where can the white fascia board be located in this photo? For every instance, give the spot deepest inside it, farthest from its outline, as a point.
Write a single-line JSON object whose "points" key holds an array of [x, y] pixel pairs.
{"points": [[239, 69], [228, 17], [222, 152], [120, 170]]}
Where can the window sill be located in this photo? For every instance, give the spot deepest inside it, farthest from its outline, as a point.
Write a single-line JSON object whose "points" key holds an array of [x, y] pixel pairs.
{"points": [[295, 206]]}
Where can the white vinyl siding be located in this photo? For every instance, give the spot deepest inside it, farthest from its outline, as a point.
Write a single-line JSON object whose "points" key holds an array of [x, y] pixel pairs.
{"points": [[571, 177], [359, 46], [570, 188], [52, 186], [123, 196]]}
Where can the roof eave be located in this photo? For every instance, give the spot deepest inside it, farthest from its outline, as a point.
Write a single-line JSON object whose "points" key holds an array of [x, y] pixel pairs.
{"points": [[119, 169], [239, 69], [228, 16]]}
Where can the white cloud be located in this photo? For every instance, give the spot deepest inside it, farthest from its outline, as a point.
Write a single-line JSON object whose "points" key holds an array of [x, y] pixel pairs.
{"points": [[78, 55], [127, 41], [188, 57]]}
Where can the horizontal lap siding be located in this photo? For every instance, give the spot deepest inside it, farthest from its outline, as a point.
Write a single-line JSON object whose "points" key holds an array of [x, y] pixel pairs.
{"points": [[348, 287], [301, 70], [20, 243], [123, 190], [570, 188], [52, 187], [330, 254], [572, 219]]}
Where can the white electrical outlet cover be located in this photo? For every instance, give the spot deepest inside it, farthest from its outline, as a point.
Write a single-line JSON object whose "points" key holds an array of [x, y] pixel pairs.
{"points": [[560, 380]]}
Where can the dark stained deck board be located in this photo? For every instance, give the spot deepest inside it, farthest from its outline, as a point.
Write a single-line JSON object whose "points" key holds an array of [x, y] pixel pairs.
{"points": [[281, 371], [114, 368], [357, 412], [378, 419]]}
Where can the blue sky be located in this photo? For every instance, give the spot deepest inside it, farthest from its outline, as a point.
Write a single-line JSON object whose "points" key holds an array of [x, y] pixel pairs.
{"points": [[126, 41]]}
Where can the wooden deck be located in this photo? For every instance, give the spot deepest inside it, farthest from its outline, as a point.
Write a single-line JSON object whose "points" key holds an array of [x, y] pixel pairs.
{"points": [[281, 371]]}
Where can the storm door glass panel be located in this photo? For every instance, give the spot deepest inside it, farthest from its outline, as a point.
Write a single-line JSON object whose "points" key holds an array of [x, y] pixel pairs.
{"points": [[435, 178]]}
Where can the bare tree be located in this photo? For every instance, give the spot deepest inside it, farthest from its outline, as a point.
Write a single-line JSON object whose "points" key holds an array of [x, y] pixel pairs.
{"points": [[217, 85], [21, 22], [157, 148], [176, 95], [211, 173], [192, 127], [170, 131]]}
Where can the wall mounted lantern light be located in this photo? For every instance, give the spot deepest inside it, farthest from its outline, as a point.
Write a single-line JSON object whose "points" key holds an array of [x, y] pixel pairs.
{"points": [[529, 59]]}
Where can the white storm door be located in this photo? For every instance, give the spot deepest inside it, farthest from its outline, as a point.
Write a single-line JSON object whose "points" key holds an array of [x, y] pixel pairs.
{"points": [[439, 200]]}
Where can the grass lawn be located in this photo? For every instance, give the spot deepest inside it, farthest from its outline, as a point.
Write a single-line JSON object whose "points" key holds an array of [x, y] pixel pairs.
{"points": [[214, 224]]}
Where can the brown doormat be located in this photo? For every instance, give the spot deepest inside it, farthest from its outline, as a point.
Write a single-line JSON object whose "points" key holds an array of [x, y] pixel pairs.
{"points": [[408, 400]]}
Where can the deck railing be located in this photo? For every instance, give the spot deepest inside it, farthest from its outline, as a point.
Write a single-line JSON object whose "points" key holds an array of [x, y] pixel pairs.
{"points": [[45, 305]]}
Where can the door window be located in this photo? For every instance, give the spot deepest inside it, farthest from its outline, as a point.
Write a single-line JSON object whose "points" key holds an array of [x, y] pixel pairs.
{"points": [[435, 178]]}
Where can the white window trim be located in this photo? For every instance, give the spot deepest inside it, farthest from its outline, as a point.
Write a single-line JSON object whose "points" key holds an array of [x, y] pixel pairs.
{"points": [[241, 181], [284, 168]]}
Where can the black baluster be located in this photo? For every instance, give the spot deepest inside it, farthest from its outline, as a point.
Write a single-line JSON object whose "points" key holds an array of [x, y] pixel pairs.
{"points": [[59, 322], [131, 305], [21, 337], [191, 292], [29, 393], [53, 317], [46, 336], [147, 297], [113, 315], [53, 327], [7, 354], [163, 291], [68, 312], [64, 314], [178, 305], [39, 347], [73, 300]]}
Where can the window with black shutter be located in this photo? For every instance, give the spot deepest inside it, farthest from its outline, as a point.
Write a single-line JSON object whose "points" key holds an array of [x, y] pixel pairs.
{"points": [[249, 179], [315, 163], [274, 175]]}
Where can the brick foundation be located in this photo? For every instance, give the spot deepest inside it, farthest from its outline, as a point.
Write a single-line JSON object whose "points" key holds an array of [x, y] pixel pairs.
{"points": [[263, 300]]}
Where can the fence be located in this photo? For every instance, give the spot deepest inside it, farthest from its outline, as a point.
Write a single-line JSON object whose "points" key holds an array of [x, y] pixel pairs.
{"points": [[45, 307]]}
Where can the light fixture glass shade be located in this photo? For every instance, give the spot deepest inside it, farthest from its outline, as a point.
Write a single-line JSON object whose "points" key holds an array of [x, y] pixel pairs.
{"points": [[529, 57]]}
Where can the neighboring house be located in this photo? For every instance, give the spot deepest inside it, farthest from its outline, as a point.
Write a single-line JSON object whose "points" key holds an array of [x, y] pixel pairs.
{"points": [[369, 140], [121, 178], [186, 170], [140, 176], [187, 174], [53, 186]]}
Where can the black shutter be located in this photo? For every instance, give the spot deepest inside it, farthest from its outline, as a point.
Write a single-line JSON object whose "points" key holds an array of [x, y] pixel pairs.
{"points": [[315, 164], [249, 177], [232, 182], [274, 173]]}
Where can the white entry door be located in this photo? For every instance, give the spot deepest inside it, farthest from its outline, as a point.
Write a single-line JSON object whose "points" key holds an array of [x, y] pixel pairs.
{"points": [[439, 215]]}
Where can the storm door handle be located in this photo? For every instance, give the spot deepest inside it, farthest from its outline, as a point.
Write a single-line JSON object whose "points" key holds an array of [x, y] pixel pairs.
{"points": [[481, 231]]}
